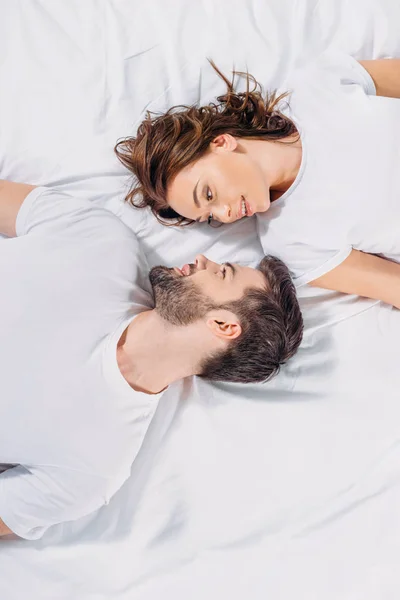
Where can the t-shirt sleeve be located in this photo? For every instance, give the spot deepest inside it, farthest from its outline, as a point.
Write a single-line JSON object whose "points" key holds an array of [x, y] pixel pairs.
{"points": [[305, 260], [307, 263], [34, 499], [348, 71], [332, 72], [50, 210]]}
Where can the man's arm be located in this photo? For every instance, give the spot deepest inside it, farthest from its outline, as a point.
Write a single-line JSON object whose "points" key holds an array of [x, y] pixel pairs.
{"points": [[385, 74], [4, 530], [12, 196], [365, 275]]}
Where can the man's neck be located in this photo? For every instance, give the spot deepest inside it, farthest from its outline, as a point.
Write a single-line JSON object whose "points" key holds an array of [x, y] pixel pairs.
{"points": [[152, 354]]}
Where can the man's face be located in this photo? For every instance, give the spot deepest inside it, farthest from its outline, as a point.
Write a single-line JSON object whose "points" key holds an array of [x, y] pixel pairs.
{"points": [[185, 295]]}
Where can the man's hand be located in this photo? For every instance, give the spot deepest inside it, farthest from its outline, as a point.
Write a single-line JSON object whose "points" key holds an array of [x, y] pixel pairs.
{"points": [[12, 196]]}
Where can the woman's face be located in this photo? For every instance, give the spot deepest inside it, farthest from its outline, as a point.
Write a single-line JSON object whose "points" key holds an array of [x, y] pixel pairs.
{"points": [[224, 185]]}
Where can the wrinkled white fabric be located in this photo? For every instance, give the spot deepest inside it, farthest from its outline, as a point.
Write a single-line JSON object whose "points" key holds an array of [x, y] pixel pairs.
{"points": [[286, 490]]}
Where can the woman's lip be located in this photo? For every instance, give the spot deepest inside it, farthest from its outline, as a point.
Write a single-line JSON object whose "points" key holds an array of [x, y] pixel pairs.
{"points": [[249, 210], [239, 214], [178, 270]]}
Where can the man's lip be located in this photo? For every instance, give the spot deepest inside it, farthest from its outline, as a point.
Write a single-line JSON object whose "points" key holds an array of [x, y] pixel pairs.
{"points": [[178, 270], [185, 270]]}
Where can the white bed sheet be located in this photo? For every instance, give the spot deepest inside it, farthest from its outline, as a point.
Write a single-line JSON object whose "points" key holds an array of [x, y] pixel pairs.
{"points": [[287, 490]]}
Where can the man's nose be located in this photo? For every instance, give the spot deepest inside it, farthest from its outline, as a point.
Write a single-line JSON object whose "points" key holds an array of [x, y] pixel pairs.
{"points": [[201, 262]]}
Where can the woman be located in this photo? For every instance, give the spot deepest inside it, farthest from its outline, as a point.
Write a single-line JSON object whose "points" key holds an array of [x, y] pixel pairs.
{"points": [[323, 176]]}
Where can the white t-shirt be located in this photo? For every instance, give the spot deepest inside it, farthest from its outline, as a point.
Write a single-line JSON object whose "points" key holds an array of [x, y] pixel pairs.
{"points": [[73, 280], [347, 192]]}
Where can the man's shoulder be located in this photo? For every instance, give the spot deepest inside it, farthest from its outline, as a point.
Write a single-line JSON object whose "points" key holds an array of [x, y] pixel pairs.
{"points": [[97, 217], [102, 235]]}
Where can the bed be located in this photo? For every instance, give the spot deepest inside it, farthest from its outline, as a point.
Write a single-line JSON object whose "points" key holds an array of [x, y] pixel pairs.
{"points": [[287, 490]]}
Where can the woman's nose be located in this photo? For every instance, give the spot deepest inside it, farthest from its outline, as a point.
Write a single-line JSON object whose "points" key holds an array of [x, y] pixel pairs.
{"points": [[223, 213]]}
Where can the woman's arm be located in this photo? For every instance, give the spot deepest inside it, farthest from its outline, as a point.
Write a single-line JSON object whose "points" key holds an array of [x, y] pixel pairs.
{"points": [[4, 530], [12, 196], [386, 75], [365, 275]]}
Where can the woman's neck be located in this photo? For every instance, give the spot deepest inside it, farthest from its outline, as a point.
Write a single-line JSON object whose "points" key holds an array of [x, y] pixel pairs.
{"points": [[279, 160]]}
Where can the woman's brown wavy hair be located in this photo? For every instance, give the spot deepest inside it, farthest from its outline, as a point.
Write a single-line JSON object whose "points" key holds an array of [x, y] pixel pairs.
{"points": [[167, 143]]}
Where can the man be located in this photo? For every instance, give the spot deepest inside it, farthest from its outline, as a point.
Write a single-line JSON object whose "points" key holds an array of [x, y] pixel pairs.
{"points": [[85, 353]]}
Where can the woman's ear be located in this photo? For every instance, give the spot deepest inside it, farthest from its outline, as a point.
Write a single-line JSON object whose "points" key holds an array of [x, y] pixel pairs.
{"points": [[224, 326], [224, 142]]}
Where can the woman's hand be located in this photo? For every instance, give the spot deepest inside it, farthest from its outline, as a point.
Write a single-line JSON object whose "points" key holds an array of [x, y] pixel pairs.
{"points": [[386, 75], [365, 275]]}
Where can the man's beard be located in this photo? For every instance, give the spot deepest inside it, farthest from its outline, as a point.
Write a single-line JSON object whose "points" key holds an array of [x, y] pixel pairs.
{"points": [[177, 299]]}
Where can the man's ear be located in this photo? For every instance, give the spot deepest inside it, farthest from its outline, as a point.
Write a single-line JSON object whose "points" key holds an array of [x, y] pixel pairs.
{"points": [[224, 325], [224, 142]]}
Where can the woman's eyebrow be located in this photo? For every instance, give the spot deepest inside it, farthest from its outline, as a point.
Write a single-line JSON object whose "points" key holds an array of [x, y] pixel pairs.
{"points": [[195, 198]]}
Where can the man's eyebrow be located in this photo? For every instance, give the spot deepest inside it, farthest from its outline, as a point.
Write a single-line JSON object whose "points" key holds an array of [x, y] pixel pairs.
{"points": [[195, 198], [230, 265]]}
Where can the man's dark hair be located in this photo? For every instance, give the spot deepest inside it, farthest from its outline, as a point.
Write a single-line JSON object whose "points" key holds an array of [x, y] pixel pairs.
{"points": [[272, 330]]}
